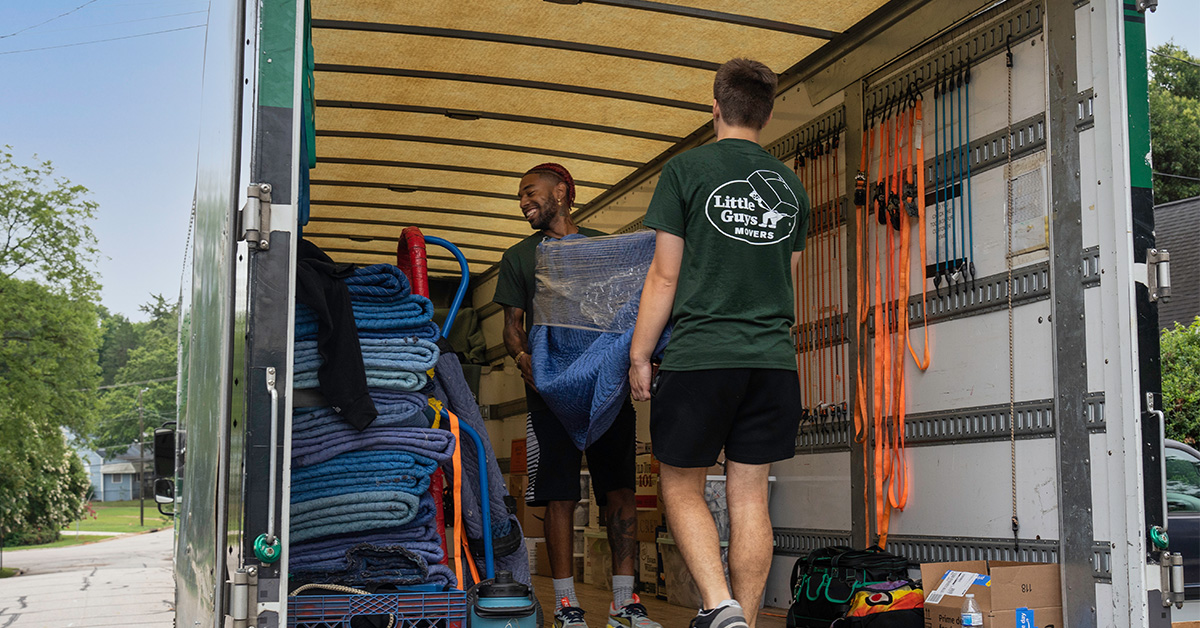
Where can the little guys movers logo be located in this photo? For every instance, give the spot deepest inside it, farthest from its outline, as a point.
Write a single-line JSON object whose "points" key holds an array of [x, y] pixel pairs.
{"points": [[758, 210]]}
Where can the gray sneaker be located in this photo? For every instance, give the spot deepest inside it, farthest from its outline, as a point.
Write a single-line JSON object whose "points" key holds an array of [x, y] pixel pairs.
{"points": [[631, 615], [727, 616], [566, 616]]}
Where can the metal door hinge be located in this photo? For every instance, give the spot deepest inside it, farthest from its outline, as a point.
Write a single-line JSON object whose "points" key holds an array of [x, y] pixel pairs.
{"points": [[256, 216], [1155, 274], [1158, 274], [1170, 566], [243, 597]]}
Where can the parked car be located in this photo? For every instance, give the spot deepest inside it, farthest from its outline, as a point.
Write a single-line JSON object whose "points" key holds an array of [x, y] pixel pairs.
{"points": [[1183, 511]]}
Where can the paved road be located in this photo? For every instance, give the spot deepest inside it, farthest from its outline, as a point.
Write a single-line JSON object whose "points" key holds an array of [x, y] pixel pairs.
{"points": [[120, 582]]}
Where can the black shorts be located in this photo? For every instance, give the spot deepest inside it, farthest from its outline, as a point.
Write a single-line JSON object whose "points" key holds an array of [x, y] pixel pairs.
{"points": [[753, 414], [554, 460]]}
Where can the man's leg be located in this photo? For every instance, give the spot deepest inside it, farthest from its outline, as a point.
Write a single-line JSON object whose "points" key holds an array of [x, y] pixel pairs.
{"points": [[560, 544], [553, 463], [621, 515], [693, 529], [750, 534]]}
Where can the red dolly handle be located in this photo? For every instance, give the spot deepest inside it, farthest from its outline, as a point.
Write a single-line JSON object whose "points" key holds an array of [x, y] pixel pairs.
{"points": [[412, 260]]}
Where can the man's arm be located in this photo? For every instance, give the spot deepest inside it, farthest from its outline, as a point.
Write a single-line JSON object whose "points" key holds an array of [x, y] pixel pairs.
{"points": [[658, 297], [517, 342]]}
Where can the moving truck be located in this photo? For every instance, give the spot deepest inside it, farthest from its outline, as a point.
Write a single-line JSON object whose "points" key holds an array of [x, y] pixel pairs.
{"points": [[1035, 432]]}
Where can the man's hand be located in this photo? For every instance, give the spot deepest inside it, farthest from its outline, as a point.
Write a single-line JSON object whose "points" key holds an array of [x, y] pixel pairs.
{"points": [[525, 364], [641, 374]]}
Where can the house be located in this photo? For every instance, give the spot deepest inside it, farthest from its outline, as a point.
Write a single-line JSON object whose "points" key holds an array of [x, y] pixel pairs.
{"points": [[113, 472]]}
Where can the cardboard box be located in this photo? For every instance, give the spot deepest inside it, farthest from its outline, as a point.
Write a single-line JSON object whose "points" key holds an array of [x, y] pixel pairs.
{"points": [[681, 589], [531, 518], [646, 491], [647, 525], [647, 568], [1000, 588], [1049, 617], [597, 561], [541, 557], [517, 460]]}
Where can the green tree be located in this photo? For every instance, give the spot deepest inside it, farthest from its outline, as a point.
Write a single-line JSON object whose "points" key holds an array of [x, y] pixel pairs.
{"points": [[152, 357], [1181, 381], [1174, 122], [117, 337], [48, 345]]}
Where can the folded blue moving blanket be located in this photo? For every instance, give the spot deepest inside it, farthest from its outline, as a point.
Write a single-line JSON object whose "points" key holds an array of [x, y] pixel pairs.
{"points": [[395, 405], [435, 444], [410, 317], [353, 512], [378, 282], [405, 381], [329, 553], [410, 313], [359, 471]]}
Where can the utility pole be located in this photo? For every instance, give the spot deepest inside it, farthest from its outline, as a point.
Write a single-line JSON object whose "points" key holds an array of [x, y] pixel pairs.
{"points": [[141, 460]]}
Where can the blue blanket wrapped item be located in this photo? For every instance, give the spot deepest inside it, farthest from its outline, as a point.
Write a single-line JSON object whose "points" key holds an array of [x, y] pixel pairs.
{"points": [[435, 444], [582, 333], [352, 512], [359, 471], [450, 386]]}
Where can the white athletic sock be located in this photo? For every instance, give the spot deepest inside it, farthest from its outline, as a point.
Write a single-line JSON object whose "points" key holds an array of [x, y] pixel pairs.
{"points": [[565, 587], [719, 605], [622, 590]]}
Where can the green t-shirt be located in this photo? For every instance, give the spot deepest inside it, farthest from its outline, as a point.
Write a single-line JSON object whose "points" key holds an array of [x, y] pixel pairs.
{"points": [[515, 286], [741, 214]]}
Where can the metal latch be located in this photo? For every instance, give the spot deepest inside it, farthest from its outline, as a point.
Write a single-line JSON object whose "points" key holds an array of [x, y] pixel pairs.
{"points": [[256, 216], [1158, 274], [243, 597]]}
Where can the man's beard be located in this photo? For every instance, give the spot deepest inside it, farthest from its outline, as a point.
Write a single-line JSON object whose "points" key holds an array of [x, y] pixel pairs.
{"points": [[546, 215]]}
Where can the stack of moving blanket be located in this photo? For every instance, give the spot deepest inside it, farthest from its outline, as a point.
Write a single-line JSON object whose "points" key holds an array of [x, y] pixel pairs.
{"points": [[361, 511]]}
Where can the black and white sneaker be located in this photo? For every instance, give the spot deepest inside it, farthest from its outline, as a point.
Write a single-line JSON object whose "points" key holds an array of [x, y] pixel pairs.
{"points": [[727, 615]]}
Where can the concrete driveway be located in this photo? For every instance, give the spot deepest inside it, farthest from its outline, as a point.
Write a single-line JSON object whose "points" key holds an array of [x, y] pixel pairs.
{"points": [[125, 581]]}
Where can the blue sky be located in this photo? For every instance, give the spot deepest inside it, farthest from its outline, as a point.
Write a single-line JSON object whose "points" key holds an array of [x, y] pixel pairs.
{"points": [[120, 117]]}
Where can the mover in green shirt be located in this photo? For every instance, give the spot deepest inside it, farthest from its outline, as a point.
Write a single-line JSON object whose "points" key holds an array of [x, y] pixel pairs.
{"points": [[730, 221], [546, 194]]}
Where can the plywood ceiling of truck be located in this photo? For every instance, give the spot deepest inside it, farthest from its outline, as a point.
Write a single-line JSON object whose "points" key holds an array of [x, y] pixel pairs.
{"points": [[428, 111]]}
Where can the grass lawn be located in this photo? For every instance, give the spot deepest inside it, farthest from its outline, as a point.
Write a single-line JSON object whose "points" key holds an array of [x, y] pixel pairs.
{"points": [[121, 517], [65, 541], [6, 572]]}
